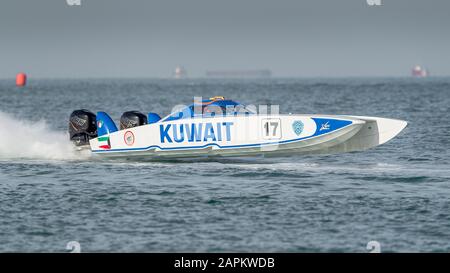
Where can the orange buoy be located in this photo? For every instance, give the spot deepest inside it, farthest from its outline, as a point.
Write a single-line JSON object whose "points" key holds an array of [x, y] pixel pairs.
{"points": [[21, 79]]}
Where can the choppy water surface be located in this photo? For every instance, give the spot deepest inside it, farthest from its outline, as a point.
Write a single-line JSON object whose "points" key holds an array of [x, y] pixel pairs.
{"points": [[397, 194]]}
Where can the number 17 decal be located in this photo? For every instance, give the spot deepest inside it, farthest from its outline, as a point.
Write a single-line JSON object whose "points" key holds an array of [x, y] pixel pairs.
{"points": [[271, 128]]}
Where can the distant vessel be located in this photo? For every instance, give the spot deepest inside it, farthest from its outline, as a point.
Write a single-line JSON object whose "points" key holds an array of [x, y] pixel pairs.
{"points": [[180, 72], [419, 72], [264, 73]]}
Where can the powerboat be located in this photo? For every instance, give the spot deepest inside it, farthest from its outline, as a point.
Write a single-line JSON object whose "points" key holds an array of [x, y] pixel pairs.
{"points": [[223, 127]]}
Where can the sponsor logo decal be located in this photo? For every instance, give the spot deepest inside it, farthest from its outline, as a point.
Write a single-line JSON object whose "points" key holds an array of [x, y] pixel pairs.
{"points": [[297, 126], [128, 137], [78, 121], [195, 132], [99, 124], [325, 126]]}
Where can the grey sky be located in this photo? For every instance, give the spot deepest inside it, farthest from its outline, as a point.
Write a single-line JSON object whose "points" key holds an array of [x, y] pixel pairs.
{"points": [[145, 38]]}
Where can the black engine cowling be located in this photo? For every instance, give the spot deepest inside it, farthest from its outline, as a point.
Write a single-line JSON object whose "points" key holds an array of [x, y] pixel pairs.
{"points": [[132, 119], [82, 127]]}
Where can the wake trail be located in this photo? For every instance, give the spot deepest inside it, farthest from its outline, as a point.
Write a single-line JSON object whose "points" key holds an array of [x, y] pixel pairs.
{"points": [[34, 140]]}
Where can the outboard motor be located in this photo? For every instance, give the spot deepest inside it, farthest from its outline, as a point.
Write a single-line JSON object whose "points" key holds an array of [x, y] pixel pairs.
{"points": [[132, 119], [82, 127]]}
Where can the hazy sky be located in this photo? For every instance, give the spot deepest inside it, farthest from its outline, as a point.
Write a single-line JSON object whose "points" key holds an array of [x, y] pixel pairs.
{"points": [[146, 38]]}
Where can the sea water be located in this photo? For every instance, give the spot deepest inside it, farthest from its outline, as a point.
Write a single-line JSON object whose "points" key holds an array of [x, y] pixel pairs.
{"points": [[397, 194]]}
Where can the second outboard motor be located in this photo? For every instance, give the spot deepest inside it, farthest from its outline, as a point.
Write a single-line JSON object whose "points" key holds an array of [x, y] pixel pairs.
{"points": [[82, 127], [132, 119]]}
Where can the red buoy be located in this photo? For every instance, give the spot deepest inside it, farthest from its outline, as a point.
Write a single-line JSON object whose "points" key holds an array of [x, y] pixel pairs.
{"points": [[21, 79]]}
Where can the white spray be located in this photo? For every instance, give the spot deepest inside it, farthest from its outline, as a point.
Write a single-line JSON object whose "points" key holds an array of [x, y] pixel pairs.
{"points": [[34, 140]]}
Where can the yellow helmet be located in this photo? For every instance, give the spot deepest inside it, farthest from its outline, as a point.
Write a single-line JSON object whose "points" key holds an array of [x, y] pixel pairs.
{"points": [[217, 98]]}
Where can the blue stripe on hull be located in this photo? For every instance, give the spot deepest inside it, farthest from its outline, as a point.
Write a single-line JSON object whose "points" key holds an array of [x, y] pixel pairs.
{"points": [[335, 125]]}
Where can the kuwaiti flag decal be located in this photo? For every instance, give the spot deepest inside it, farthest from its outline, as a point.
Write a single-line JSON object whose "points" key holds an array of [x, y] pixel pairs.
{"points": [[104, 143]]}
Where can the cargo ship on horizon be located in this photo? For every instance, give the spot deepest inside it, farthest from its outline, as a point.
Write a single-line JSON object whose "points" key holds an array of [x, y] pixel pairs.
{"points": [[237, 74]]}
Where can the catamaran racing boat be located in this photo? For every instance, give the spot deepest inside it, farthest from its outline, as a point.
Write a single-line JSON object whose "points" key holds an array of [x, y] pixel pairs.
{"points": [[222, 127]]}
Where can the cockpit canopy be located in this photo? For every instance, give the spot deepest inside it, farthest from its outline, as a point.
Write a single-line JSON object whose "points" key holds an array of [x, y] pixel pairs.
{"points": [[213, 107]]}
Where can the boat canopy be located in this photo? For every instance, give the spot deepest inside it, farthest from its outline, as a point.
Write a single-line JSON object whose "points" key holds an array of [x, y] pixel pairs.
{"points": [[216, 106]]}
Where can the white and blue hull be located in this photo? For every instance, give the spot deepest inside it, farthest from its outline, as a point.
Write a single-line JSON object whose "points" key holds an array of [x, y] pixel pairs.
{"points": [[248, 135]]}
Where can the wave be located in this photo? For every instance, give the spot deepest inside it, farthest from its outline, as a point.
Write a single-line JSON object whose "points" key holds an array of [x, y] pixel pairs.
{"points": [[34, 140]]}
